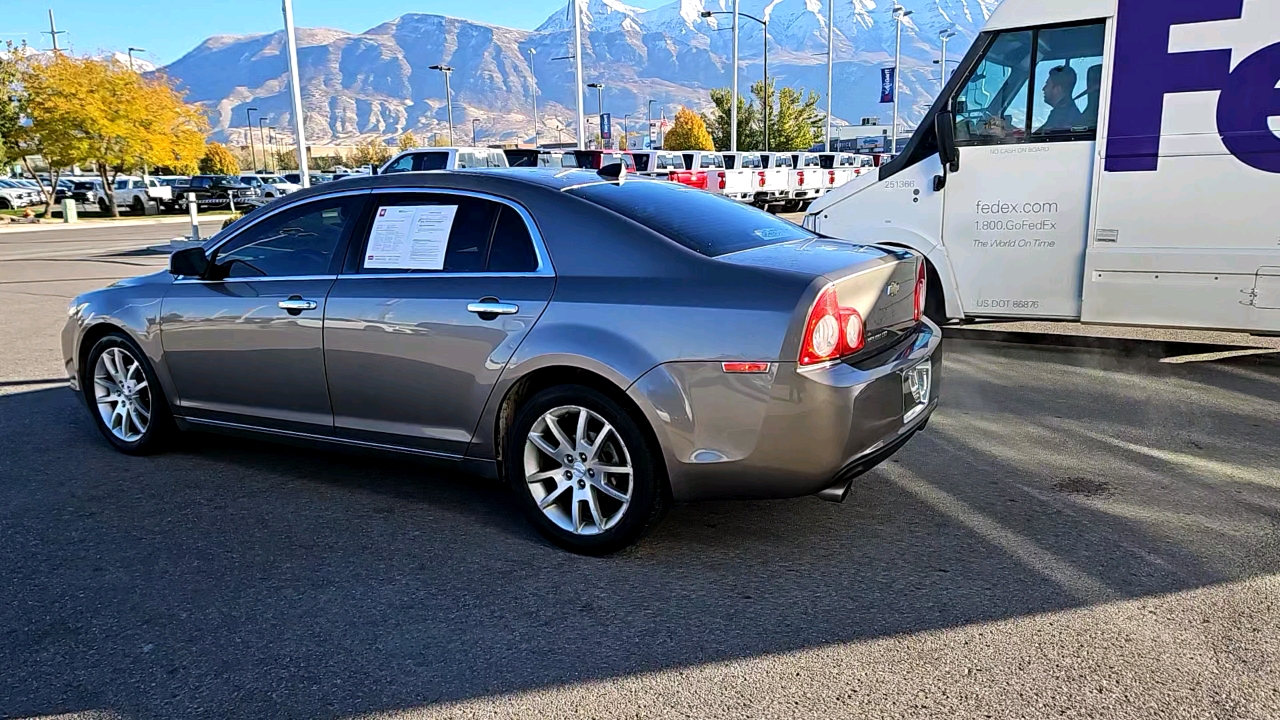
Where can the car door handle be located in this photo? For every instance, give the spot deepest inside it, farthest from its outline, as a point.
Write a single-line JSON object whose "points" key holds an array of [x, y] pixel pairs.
{"points": [[486, 307], [297, 304]]}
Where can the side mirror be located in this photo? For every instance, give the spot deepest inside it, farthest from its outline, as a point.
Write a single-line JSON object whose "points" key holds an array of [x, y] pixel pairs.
{"points": [[944, 126], [190, 262]]}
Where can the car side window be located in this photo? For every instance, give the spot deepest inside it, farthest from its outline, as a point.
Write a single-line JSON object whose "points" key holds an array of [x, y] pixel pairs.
{"points": [[430, 161], [512, 247], [404, 163], [300, 241], [482, 236]]}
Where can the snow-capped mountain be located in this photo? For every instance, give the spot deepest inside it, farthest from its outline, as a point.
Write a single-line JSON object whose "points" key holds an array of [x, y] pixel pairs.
{"points": [[378, 81]]}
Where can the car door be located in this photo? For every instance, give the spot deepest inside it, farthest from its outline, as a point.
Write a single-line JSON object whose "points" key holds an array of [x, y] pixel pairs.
{"points": [[1015, 214], [244, 344], [439, 290]]}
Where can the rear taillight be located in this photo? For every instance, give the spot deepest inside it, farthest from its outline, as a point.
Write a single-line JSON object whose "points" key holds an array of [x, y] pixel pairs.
{"points": [[672, 176], [760, 178], [831, 177], [800, 177], [921, 286], [831, 331], [721, 181]]}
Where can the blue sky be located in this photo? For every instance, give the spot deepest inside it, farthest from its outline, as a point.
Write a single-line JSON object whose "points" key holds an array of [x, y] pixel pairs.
{"points": [[168, 29]]}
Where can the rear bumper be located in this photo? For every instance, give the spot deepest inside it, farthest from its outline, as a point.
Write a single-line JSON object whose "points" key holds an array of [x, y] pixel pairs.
{"points": [[787, 433]]}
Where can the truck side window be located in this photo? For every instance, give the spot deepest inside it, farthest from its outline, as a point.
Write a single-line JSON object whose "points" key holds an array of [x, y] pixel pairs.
{"points": [[1068, 78], [991, 108]]}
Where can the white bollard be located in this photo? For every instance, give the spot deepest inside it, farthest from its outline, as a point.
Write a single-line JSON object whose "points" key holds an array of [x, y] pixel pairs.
{"points": [[192, 208], [69, 210]]}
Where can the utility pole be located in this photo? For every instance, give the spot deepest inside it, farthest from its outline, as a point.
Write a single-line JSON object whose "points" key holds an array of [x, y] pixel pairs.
{"points": [[577, 71], [304, 169], [54, 32], [248, 120], [767, 103], [626, 137], [899, 13], [733, 101], [534, 92], [831, 59], [448, 96]]}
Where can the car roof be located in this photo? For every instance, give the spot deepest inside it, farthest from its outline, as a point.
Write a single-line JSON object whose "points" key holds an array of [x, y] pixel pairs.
{"points": [[477, 179]]}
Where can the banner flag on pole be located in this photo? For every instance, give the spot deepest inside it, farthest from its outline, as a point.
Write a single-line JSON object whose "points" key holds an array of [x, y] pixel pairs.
{"points": [[887, 84]]}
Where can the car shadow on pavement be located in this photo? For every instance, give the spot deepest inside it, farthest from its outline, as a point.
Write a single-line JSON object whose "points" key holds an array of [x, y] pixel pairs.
{"points": [[240, 579]]}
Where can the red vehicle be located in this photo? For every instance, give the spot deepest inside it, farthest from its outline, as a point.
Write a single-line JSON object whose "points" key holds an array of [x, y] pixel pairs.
{"points": [[700, 169], [596, 159]]}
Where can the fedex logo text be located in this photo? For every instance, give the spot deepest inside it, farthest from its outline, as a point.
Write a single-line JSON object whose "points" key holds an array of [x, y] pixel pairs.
{"points": [[1145, 72]]}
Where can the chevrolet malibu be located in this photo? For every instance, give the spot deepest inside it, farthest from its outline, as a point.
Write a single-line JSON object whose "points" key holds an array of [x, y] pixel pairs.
{"points": [[605, 344]]}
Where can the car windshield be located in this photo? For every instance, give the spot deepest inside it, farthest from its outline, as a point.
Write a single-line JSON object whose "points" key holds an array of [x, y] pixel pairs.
{"points": [[704, 222], [84, 186]]}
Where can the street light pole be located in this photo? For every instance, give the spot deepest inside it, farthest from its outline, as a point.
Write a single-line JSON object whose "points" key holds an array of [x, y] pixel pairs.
{"points": [[626, 136], [133, 50], [248, 118], [448, 96], [899, 13], [534, 93], [733, 101], [474, 143], [298, 124], [767, 103], [945, 35], [648, 111], [262, 140], [275, 160], [577, 71], [831, 59]]}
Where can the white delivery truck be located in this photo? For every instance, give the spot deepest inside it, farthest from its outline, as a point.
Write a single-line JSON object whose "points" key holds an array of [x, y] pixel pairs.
{"points": [[1109, 161]]}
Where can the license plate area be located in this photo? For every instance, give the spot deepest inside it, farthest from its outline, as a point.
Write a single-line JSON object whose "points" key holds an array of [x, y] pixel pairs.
{"points": [[917, 387]]}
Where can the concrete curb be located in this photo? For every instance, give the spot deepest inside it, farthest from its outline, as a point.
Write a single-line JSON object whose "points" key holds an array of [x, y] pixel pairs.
{"points": [[92, 224]]}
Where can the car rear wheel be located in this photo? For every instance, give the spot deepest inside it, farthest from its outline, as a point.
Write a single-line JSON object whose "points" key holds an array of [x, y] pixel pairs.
{"points": [[583, 471], [5, 204], [125, 398], [138, 207], [103, 207]]}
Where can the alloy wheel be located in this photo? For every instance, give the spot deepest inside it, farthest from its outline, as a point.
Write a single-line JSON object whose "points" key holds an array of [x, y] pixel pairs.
{"points": [[582, 480], [122, 394]]}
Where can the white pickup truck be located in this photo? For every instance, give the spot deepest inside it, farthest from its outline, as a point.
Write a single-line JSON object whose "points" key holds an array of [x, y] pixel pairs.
{"points": [[141, 195], [656, 163], [804, 178], [742, 175], [772, 180]]}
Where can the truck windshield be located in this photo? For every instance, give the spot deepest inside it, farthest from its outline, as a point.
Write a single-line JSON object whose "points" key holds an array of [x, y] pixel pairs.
{"points": [[704, 222]]}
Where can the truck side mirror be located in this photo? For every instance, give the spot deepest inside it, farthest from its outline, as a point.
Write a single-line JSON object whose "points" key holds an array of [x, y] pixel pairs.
{"points": [[189, 262], [944, 126]]}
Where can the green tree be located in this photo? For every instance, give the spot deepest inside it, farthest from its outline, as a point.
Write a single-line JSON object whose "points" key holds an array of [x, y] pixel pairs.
{"points": [[368, 152], [440, 140], [218, 160], [794, 120], [687, 132], [408, 141], [717, 121], [286, 160]]}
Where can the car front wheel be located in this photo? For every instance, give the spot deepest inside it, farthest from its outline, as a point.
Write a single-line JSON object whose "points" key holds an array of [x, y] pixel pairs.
{"points": [[125, 398], [583, 471]]}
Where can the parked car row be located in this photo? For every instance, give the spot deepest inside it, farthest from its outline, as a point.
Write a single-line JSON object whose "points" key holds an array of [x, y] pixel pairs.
{"points": [[783, 181]]}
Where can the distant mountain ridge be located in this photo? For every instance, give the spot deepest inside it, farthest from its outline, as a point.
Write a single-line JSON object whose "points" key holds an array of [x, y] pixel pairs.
{"points": [[377, 82]]}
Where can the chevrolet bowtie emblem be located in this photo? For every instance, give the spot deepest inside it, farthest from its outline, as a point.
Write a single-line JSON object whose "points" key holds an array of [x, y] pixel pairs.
{"points": [[892, 289]]}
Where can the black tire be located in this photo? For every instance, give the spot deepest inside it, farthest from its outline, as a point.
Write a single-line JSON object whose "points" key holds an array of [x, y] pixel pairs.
{"points": [[649, 494], [5, 204], [160, 430], [137, 206], [103, 207]]}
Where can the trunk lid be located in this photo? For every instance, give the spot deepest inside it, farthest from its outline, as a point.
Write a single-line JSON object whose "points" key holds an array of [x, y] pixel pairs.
{"points": [[878, 282]]}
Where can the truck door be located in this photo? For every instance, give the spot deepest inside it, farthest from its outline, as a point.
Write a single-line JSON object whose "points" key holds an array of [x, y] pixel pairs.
{"points": [[1015, 216]]}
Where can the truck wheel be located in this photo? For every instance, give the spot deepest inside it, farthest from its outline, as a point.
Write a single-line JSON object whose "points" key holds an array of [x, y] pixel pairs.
{"points": [[137, 207], [5, 204], [103, 207]]}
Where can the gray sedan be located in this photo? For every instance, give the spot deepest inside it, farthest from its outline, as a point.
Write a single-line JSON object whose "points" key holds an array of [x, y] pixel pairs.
{"points": [[605, 344]]}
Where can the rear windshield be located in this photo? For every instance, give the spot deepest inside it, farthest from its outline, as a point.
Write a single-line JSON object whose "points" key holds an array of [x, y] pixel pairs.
{"points": [[704, 222]]}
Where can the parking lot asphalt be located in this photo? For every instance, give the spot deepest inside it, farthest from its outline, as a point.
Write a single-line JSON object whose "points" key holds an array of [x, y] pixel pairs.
{"points": [[1079, 533]]}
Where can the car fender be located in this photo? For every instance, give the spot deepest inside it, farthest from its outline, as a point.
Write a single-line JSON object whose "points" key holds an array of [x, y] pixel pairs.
{"points": [[137, 314], [612, 356]]}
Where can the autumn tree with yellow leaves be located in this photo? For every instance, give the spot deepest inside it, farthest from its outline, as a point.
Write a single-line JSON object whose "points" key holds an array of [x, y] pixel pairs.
{"points": [[219, 160], [688, 132], [90, 112], [408, 141]]}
